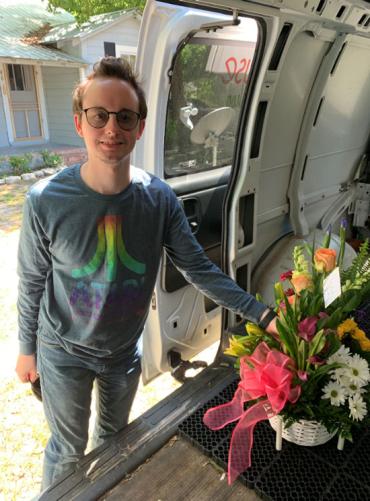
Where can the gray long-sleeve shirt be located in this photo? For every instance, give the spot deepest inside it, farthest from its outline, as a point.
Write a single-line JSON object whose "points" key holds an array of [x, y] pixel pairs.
{"points": [[88, 263]]}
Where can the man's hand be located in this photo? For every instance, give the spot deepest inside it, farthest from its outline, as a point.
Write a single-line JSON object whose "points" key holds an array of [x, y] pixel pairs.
{"points": [[26, 368], [272, 329]]}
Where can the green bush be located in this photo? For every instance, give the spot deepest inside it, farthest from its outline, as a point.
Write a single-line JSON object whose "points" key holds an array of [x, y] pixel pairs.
{"points": [[51, 159], [20, 164]]}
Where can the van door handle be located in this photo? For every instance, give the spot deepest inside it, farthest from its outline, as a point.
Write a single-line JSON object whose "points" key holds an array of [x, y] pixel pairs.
{"points": [[192, 212]]}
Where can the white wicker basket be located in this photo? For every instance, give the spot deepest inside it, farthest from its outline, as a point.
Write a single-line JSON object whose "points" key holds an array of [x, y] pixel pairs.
{"points": [[303, 432]]}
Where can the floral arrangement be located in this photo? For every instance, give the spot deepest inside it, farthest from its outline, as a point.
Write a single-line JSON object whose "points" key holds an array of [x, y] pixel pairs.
{"points": [[317, 367]]}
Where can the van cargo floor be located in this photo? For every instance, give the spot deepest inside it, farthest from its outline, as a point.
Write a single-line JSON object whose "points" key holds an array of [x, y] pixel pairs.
{"points": [[296, 473], [178, 471]]}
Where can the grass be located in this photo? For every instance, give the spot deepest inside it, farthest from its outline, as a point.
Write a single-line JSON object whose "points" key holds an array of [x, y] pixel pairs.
{"points": [[11, 202]]}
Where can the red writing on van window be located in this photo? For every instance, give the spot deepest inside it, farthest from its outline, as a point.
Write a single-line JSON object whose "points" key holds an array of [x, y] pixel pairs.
{"points": [[236, 70]]}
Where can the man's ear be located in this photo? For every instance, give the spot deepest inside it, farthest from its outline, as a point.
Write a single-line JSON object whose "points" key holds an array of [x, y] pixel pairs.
{"points": [[77, 120], [140, 129]]}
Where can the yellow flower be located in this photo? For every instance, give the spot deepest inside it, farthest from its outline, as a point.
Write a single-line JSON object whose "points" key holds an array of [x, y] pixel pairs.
{"points": [[349, 326], [253, 329], [236, 347], [365, 344], [360, 336]]}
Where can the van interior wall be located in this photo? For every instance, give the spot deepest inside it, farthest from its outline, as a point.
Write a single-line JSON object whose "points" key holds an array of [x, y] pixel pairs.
{"points": [[317, 130]]}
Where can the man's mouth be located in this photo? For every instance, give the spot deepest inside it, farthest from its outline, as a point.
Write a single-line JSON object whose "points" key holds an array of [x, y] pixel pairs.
{"points": [[111, 143]]}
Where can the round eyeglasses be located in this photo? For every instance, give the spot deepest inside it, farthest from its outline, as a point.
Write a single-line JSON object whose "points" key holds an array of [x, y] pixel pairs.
{"points": [[98, 118]]}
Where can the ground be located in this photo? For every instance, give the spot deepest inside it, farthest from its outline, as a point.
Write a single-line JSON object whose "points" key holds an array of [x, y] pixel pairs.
{"points": [[23, 430]]}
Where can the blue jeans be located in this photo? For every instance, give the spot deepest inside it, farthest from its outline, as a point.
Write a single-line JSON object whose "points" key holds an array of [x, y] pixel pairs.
{"points": [[66, 385]]}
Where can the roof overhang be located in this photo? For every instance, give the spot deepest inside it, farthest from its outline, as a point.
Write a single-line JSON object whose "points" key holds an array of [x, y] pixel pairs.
{"points": [[15, 51], [40, 62], [134, 14]]}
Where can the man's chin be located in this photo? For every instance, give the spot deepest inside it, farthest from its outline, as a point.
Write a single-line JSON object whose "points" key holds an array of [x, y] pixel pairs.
{"points": [[113, 160]]}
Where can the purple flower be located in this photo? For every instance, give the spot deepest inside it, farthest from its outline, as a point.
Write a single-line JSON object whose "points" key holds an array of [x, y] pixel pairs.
{"points": [[307, 328], [344, 223]]}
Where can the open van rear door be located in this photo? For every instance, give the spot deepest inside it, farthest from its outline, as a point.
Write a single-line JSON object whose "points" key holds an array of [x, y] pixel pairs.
{"points": [[196, 67], [257, 109]]}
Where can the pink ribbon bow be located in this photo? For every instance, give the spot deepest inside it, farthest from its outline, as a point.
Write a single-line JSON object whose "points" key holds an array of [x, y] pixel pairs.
{"points": [[265, 373]]}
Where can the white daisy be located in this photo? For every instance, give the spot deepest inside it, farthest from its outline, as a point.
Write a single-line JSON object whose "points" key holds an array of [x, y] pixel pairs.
{"points": [[352, 388], [335, 392], [358, 370], [340, 375], [357, 407], [342, 356]]}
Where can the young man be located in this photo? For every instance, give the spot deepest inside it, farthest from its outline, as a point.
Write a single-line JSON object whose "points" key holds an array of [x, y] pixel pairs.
{"points": [[89, 252]]}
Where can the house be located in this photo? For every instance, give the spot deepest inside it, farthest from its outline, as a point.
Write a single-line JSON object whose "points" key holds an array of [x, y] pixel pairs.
{"points": [[42, 56], [111, 34]]}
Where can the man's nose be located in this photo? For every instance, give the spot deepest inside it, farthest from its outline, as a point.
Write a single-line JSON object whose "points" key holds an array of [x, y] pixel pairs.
{"points": [[112, 124]]}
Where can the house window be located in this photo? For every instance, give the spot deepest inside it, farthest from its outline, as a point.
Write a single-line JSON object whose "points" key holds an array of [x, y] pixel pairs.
{"points": [[128, 53], [130, 58], [17, 77], [110, 49]]}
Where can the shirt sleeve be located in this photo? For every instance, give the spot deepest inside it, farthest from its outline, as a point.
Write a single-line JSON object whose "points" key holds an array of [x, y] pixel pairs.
{"points": [[189, 257], [34, 263]]}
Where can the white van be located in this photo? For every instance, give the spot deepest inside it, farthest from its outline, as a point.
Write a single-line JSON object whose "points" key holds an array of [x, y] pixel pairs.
{"points": [[259, 118]]}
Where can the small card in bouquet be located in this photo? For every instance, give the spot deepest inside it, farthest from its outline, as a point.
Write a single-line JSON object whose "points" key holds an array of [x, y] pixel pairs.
{"points": [[332, 288]]}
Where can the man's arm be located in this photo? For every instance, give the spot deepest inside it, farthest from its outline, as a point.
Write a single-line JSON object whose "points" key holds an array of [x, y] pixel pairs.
{"points": [[189, 257], [34, 264]]}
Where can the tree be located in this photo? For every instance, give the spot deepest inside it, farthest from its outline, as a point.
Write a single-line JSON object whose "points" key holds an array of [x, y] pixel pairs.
{"points": [[83, 9]]}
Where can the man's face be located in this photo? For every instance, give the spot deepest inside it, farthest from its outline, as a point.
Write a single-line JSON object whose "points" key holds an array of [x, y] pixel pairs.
{"points": [[109, 144]]}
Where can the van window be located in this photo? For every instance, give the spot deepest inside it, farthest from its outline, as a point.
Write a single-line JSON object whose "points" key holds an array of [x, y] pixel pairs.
{"points": [[209, 79]]}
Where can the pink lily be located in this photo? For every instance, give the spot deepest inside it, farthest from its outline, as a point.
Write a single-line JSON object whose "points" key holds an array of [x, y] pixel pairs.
{"points": [[303, 375], [307, 328], [316, 360]]}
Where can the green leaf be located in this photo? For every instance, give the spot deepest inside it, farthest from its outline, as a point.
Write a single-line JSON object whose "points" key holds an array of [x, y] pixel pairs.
{"points": [[290, 315], [353, 303], [317, 344], [279, 293], [327, 238], [287, 339], [302, 354], [83, 9]]}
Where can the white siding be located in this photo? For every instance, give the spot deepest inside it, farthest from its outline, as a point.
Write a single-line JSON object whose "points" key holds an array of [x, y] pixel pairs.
{"points": [[3, 130], [71, 47], [125, 33], [58, 86]]}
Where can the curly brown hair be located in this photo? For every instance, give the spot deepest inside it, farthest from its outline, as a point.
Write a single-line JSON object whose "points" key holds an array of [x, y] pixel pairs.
{"points": [[111, 67]]}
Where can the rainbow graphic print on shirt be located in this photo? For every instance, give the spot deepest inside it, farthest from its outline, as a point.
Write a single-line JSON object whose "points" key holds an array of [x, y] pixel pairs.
{"points": [[107, 299], [110, 250]]}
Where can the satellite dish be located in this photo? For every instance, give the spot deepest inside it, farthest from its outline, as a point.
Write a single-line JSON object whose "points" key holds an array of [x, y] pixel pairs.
{"points": [[209, 128]]}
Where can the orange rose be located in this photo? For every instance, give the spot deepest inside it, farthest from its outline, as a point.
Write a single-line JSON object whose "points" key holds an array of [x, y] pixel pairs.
{"points": [[325, 260], [301, 280]]}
